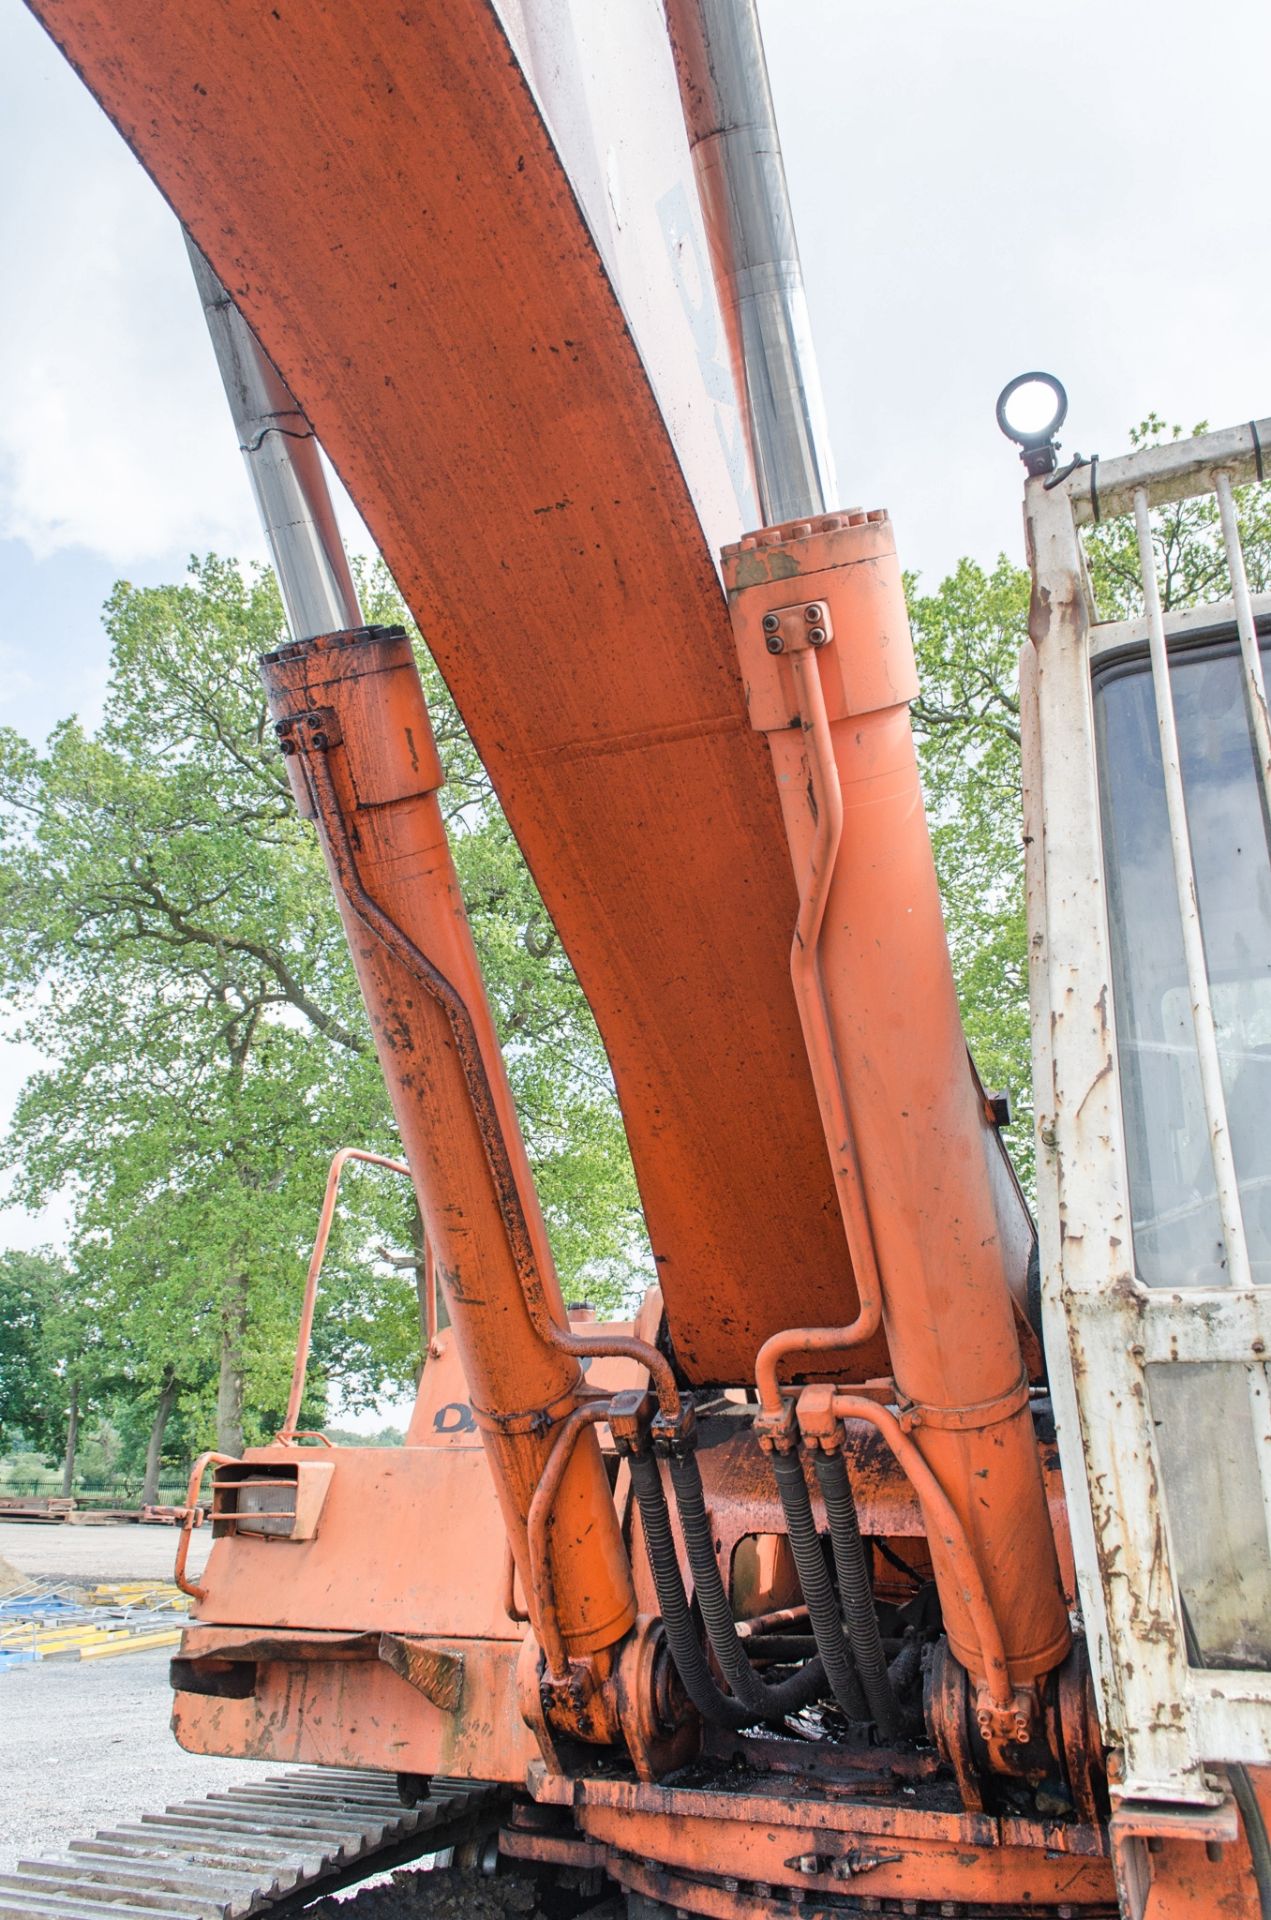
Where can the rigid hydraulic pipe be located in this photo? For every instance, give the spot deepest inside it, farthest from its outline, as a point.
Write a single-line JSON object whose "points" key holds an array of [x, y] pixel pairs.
{"points": [[352, 720], [542, 1588], [741, 183], [806, 1343], [488, 1110], [945, 1530]]}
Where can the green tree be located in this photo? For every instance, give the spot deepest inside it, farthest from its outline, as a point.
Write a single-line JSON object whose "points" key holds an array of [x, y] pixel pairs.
{"points": [[167, 931], [31, 1286], [50, 1355], [967, 639]]}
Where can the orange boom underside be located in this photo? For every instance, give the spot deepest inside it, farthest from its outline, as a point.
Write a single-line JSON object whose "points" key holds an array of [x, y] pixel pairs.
{"points": [[375, 186]]}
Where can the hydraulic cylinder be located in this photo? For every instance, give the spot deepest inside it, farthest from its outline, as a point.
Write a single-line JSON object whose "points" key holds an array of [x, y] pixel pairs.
{"points": [[352, 721], [822, 632]]}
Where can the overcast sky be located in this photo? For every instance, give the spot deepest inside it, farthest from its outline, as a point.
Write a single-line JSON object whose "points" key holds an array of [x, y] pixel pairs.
{"points": [[980, 186]]}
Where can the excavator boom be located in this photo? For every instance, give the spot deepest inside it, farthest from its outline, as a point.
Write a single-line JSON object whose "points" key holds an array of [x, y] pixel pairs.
{"points": [[790, 1596], [377, 190]]}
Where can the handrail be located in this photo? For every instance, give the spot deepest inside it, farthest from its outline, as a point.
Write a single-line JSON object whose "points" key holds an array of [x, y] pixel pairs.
{"points": [[287, 1433], [200, 1467]]}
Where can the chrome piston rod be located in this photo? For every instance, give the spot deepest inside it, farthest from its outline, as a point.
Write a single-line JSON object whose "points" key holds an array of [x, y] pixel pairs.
{"points": [[285, 470], [741, 183]]}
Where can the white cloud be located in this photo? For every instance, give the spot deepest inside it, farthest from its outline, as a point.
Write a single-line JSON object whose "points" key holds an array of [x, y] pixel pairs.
{"points": [[113, 430]]}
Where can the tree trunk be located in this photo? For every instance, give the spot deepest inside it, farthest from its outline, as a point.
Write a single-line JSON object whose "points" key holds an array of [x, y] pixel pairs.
{"points": [[229, 1387], [154, 1451], [72, 1440]]}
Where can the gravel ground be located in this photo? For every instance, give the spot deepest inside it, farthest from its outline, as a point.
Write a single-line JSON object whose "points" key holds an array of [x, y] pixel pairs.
{"points": [[112, 1551], [86, 1744]]}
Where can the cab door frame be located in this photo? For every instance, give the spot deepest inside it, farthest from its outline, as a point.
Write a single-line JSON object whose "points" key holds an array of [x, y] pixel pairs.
{"points": [[1169, 1721]]}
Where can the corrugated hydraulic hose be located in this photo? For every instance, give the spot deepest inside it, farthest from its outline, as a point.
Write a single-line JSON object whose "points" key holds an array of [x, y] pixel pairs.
{"points": [[856, 1596], [818, 1589], [712, 1703], [769, 1702]]}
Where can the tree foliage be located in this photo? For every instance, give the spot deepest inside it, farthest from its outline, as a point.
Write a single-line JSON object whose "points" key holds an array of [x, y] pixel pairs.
{"points": [[168, 934], [33, 1340]]}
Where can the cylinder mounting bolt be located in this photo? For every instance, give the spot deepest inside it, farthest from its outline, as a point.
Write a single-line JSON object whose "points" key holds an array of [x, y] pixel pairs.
{"points": [[812, 614]]}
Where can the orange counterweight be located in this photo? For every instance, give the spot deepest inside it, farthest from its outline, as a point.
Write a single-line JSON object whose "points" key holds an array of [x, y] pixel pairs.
{"points": [[823, 636], [352, 720]]}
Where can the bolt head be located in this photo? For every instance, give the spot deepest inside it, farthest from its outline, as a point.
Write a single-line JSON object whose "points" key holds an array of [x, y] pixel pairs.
{"points": [[817, 636], [775, 644], [812, 614], [770, 623]]}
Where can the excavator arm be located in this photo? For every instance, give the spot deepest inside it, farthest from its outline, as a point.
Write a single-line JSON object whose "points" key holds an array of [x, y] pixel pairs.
{"points": [[717, 792]]}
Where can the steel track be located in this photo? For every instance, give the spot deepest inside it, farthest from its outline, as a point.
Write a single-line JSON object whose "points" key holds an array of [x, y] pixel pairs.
{"points": [[256, 1849]]}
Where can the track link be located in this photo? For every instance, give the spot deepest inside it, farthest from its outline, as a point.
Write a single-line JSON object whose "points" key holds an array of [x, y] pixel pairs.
{"points": [[254, 1849]]}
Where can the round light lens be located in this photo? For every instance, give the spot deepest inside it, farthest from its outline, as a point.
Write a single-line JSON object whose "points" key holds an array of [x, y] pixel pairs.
{"points": [[1031, 409]]}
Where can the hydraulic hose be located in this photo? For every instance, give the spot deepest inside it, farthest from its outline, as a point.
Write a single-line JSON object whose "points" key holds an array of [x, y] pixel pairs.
{"points": [[907, 1665], [712, 1703], [818, 1590], [856, 1596], [768, 1702]]}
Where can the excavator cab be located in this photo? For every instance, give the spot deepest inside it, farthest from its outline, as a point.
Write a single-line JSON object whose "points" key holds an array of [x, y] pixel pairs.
{"points": [[1147, 762]]}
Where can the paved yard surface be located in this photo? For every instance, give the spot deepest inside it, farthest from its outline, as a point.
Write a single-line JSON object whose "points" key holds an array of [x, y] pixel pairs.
{"points": [[111, 1552]]}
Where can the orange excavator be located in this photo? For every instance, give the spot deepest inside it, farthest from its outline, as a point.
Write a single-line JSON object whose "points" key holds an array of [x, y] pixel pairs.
{"points": [[892, 1559]]}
